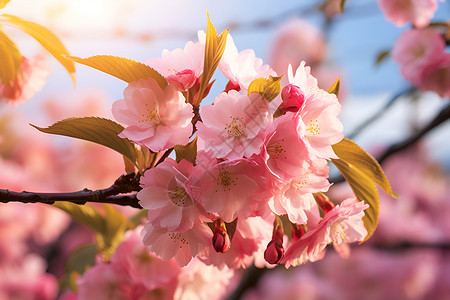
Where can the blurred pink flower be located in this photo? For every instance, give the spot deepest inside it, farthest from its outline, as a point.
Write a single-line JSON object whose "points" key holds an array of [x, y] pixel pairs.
{"points": [[399, 12], [241, 68], [136, 261], [29, 80], [343, 224], [165, 194], [180, 67], [234, 126], [181, 245], [27, 280], [157, 119], [436, 77], [199, 281], [297, 40], [417, 50]]}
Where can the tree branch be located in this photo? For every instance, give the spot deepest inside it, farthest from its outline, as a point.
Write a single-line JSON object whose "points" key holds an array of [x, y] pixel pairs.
{"points": [[124, 184]]}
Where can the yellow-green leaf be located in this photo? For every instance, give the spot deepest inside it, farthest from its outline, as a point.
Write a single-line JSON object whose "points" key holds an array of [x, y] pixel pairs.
{"points": [[125, 69], [81, 259], [97, 130], [214, 48], [364, 190], [84, 214], [354, 155], [10, 59], [341, 6], [115, 226], [46, 38], [3, 3], [188, 152], [334, 89], [267, 88]]}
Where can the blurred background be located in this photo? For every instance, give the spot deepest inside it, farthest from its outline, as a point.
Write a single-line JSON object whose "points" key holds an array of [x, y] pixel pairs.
{"points": [[409, 256]]}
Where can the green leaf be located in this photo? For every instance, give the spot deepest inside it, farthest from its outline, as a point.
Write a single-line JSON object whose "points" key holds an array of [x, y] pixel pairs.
{"points": [[267, 88], [46, 38], [382, 56], [214, 48], [3, 3], [84, 214], [354, 155], [334, 89], [364, 190], [109, 228], [10, 59], [97, 130], [125, 69], [188, 152], [115, 226], [81, 259]]}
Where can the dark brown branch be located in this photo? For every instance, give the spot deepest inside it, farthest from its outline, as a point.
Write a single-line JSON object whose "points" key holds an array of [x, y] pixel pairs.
{"points": [[124, 184]]}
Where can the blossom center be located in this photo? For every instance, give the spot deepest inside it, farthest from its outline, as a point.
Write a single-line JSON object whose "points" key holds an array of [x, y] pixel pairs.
{"points": [[313, 128], [179, 197], [225, 180], [177, 237], [337, 233], [236, 128], [152, 116], [299, 183], [275, 149]]}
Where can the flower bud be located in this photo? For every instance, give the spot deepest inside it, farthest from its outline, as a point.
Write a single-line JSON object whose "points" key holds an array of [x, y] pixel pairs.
{"points": [[293, 98], [324, 203], [232, 86], [182, 80], [221, 240], [274, 252]]}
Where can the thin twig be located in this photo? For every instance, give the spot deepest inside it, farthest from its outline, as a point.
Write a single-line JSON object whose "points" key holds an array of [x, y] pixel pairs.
{"points": [[379, 113]]}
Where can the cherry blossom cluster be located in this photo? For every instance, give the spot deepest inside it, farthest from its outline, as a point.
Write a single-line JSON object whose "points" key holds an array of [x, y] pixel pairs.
{"points": [[260, 167], [420, 51]]}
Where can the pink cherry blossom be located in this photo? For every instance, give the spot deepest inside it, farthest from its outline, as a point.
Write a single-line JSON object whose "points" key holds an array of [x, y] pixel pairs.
{"points": [[226, 188], [165, 194], [343, 224], [436, 77], [284, 150], [241, 68], [319, 114], [156, 118], [417, 50], [295, 197], [297, 40], [200, 281], [181, 245], [136, 261], [180, 67], [30, 79], [234, 126], [399, 12]]}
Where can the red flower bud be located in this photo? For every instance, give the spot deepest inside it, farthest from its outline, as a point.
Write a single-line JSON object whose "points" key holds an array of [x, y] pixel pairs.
{"points": [[274, 252], [322, 200], [182, 80], [232, 86], [221, 240], [293, 98]]}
